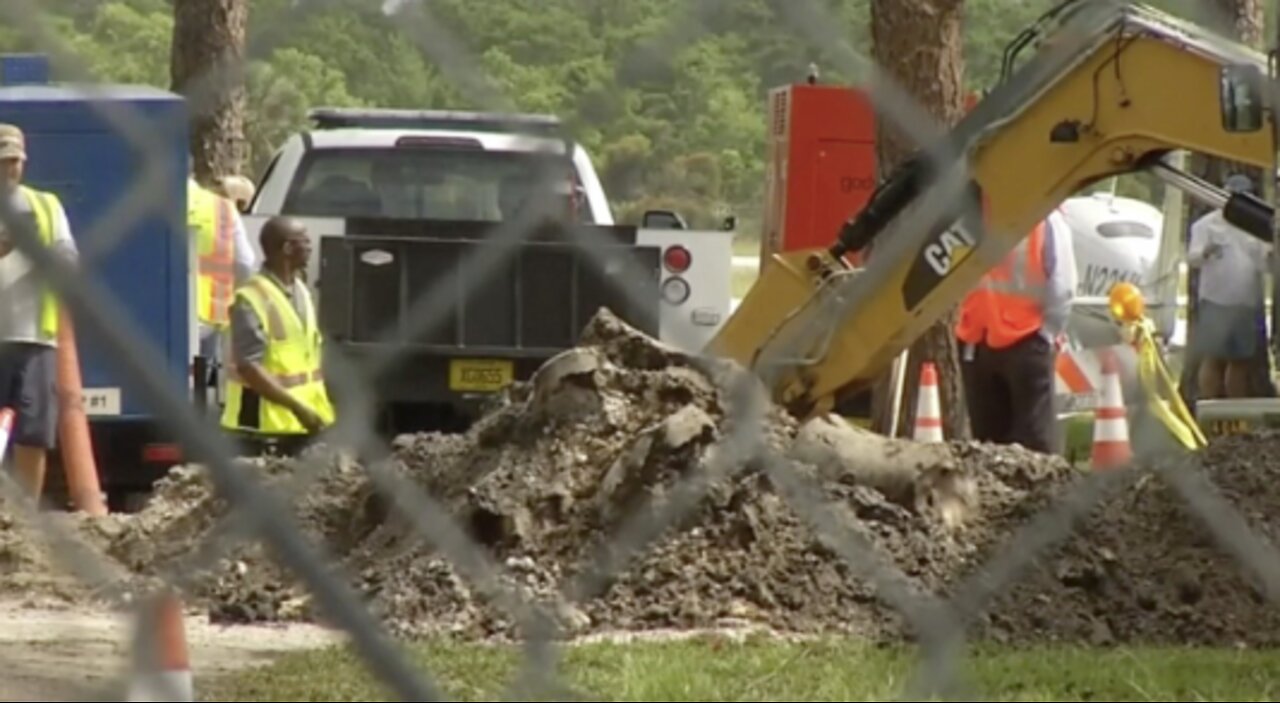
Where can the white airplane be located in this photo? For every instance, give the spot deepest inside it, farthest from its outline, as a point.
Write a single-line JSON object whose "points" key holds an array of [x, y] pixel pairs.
{"points": [[1118, 239]]}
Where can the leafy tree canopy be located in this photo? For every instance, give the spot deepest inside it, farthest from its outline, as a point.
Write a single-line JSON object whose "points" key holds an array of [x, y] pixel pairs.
{"points": [[670, 96]]}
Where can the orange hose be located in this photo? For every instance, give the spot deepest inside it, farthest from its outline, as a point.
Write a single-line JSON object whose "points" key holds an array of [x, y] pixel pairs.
{"points": [[73, 427]]}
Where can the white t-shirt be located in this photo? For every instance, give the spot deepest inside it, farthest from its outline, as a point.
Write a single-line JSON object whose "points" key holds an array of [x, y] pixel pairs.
{"points": [[20, 289], [1233, 276], [1060, 268]]}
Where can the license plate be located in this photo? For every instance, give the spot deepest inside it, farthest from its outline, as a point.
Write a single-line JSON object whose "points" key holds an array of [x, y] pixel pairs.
{"points": [[1225, 428], [480, 375]]}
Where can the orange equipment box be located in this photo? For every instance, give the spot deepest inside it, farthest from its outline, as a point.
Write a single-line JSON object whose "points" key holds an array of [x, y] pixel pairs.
{"points": [[821, 164]]}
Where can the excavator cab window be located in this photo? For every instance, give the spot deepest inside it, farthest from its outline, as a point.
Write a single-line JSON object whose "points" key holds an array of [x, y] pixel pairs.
{"points": [[1241, 98]]}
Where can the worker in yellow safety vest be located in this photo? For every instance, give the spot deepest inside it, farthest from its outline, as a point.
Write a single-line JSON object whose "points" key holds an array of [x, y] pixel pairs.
{"points": [[276, 393], [29, 314], [225, 257]]}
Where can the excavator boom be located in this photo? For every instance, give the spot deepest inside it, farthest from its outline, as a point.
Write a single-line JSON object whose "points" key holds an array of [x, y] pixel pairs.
{"points": [[1113, 88]]}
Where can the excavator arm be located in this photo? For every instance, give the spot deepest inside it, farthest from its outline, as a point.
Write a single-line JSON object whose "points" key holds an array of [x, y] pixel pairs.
{"points": [[1112, 89]]}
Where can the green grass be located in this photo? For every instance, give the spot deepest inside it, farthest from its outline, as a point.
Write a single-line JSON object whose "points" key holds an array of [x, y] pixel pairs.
{"points": [[710, 669], [740, 282], [745, 245], [1077, 437]]}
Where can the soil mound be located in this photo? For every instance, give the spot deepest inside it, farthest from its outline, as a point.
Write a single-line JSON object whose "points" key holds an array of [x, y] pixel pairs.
{"points": [[606, 491], [1145, 567], [575, 487]]}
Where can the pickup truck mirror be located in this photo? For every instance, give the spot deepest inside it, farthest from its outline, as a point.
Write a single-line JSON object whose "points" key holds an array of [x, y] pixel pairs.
{"points": [[730, 223], [663, 219], [1241, 98]]}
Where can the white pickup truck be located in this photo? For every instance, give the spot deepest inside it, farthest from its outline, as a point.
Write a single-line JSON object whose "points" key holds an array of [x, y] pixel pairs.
{"points": [[401, 200]]}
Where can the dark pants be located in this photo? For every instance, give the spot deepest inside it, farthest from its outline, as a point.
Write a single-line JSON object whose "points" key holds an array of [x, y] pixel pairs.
{"points": [[29, 385], [1009, 393]]}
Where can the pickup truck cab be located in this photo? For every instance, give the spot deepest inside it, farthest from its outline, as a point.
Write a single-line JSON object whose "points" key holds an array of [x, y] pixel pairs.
{"points": [[388, 194]]}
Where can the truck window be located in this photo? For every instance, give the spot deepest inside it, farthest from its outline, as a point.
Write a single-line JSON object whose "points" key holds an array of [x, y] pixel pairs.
{"points": [[264, 178], [1126, 230], [426, 183]]}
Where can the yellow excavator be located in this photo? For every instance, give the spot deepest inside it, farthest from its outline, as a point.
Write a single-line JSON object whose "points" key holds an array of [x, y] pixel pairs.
{"points": [[1111, 88]]}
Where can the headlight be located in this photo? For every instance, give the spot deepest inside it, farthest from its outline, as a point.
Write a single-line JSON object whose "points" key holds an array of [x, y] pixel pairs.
{"points": [[675, 290]]}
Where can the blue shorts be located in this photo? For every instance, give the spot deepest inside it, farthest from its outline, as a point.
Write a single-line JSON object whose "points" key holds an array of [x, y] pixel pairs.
{"points": [[29, 385], [1226, 332]]}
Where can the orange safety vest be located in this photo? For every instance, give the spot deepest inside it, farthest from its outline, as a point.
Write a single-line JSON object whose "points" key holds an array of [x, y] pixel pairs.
{"points": [[1007, 304], [213, 218]]}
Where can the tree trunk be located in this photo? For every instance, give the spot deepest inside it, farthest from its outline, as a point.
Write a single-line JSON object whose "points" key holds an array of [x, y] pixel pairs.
{"points": [[1243, 20], [206, 66], [919, 44]]}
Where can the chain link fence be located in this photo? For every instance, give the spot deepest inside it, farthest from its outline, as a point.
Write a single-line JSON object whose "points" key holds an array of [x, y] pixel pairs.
{"points": [[263, 513]]}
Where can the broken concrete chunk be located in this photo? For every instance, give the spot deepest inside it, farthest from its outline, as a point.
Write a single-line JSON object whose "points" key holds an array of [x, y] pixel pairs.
{"points": [[916, 475], [628, 346], [567, 385], [627, 462], [577, 364], [687, 425]]}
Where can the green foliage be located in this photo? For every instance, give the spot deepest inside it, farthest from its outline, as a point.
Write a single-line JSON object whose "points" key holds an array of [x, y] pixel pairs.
{"points": [[282, 89], [669, 96], [716, 668]]}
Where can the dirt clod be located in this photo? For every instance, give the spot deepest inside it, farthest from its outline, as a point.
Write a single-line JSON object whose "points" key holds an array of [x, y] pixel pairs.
{"points": [[605, 494]]}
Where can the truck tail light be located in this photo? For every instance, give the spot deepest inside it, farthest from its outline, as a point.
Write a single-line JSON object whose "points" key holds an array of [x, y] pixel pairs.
{"points": [[675, 290], [162, 454], [677, 259]]}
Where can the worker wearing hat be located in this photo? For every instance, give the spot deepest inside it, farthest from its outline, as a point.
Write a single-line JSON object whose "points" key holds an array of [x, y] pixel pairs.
{"points": [[29, 313], [238, 189], [1232, 266]]}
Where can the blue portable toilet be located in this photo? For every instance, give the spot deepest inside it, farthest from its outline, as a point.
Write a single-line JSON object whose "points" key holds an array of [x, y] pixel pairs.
{"points": [[24, 69], [90, 145]]}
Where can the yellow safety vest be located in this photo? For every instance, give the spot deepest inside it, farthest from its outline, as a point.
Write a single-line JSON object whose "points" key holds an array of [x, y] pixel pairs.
{"points": [[213, 220], [293, 356], [45, 206]]}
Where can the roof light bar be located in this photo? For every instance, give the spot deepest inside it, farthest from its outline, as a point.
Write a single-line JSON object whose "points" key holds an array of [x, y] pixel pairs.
{"points": [[528, 124]]}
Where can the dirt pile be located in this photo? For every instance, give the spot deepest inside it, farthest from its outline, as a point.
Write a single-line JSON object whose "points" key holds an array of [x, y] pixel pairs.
{"points": [[51, 558], [605, 490], [593, 455], [1143, 566], [26, 562]]}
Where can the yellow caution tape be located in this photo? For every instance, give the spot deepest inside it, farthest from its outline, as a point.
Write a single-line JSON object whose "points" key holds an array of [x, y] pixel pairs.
{"points": [[1161, 390]]}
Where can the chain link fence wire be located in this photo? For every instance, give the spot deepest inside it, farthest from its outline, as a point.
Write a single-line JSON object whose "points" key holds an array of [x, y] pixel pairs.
{"points": [[259, 513]]}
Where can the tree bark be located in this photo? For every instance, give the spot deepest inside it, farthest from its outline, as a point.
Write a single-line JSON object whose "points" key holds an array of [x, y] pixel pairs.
{"points": [[207, 67], [1244, 20], [919, 45], [924, 477]]}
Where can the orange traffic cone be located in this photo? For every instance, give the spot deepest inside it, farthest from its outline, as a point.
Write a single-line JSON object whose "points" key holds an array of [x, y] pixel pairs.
{"points": [[162, 671], [73, 427], [928, 406], [1111, 447]]}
